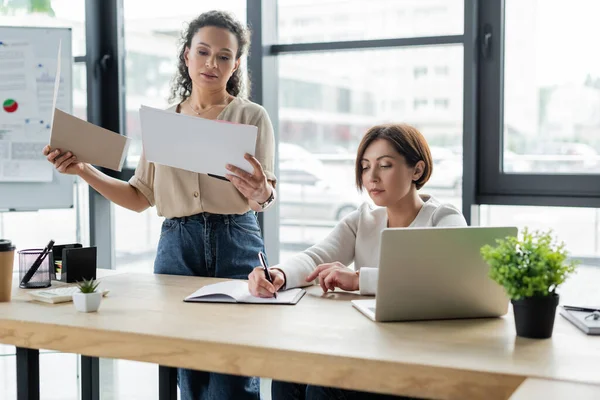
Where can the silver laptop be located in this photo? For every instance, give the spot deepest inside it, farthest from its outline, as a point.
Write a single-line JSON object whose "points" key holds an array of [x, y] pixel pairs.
{"points": [[435, 273]]}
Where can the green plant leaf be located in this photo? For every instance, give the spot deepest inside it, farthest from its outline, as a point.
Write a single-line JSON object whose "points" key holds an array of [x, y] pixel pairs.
{"points": [[531, 264], [88, 286]]}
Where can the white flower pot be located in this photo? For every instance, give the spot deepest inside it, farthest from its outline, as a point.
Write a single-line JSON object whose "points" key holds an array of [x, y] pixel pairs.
{"points": [[87, 302]]}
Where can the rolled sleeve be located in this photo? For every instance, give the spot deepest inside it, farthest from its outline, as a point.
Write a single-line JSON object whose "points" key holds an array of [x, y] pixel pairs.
{"points": [[143, 179], [368, 281]]}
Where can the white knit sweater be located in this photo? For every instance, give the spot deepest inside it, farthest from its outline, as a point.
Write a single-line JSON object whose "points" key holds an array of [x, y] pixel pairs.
{"points": [[357, 238]]}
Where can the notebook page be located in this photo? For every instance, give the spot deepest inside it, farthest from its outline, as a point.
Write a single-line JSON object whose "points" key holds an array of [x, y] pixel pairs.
{"points": [[231, 289], [284, 297]]}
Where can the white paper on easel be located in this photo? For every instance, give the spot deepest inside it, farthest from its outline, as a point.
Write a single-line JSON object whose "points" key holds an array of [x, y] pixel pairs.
{"points": [[22, 128], [56, 83]]}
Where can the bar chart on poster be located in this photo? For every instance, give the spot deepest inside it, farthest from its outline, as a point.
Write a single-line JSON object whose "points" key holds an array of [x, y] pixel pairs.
{"points": [[29, 60]]}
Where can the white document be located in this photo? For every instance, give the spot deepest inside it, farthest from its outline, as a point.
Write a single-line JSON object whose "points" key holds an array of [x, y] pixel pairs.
{"points": [[24, 127], [236, 291], [195, 144], [48, 92]]}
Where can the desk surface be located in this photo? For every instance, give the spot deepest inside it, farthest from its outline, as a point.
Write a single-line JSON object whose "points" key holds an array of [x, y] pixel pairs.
{"points": [[322, 340], [534, 388]]}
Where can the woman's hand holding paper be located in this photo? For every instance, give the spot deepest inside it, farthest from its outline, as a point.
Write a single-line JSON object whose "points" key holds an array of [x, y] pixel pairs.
{"points": [[254, 186], [66, 163]]}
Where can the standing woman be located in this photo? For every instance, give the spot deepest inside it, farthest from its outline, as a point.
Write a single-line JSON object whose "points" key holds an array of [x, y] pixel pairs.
{"points": [[210, 226]]}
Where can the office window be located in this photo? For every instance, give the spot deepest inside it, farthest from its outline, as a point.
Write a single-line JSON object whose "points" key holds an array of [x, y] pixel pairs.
{"points": [[442, 104], [296, 93], [398, 106], [344, 102], [80, 90], [420, 72], [441, 70], [338, 20], [552, 88], [420, 103], [317, 147], [55, 13]]}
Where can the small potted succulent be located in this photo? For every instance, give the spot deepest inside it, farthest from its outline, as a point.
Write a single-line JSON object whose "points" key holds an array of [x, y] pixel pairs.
{"points": [[87, 299], [530, 267]]}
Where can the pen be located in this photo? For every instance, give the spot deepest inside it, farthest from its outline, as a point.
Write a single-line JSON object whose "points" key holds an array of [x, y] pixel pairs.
{"points": [[263, 262], [218, 177], [584, 309], [36, 264]]}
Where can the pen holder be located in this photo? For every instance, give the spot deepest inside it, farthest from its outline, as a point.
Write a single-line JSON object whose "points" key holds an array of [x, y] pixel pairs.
{"points": [[41, 277]]}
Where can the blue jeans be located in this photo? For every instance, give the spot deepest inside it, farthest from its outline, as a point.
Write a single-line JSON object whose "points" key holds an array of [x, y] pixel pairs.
{"points": [[295, 391], [211, 245]]}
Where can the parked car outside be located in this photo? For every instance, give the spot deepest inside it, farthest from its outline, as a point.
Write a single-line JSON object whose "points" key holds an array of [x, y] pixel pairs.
{"points": [[309, 190]]}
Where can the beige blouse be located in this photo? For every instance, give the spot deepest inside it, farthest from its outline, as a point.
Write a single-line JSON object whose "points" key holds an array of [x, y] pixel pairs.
{"points": [[179, 193]]}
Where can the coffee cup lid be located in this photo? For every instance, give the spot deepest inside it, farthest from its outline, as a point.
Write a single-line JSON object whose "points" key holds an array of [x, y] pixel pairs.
{"points": [[6, 245]]}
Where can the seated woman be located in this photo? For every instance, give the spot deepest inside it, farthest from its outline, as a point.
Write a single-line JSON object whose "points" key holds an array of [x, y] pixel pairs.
{"points": [[393, 162]]}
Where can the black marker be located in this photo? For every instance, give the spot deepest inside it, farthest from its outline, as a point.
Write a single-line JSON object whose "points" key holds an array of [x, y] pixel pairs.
{"points": [[37, 263]]}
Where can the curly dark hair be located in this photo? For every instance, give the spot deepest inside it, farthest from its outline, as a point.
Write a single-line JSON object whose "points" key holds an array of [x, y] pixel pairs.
{"points": [[181, 86]]}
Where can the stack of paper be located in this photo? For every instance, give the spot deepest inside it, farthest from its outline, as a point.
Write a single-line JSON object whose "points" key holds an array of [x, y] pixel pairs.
{"points": [[90, 143]]}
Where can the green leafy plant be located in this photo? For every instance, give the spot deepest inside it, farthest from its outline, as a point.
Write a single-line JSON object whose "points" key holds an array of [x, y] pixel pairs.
{"points": [[532, 264], [86, 286]]}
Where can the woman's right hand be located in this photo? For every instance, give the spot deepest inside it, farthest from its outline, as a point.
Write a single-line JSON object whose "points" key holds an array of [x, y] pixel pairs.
{"points": [[66, 163], [259, 285]]}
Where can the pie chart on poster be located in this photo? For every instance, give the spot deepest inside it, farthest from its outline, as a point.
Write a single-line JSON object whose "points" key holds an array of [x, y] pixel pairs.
{"points": [[10, 106]]}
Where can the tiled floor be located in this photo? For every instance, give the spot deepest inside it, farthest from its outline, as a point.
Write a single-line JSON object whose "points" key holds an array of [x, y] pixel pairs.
{"points": [[126, 380]]}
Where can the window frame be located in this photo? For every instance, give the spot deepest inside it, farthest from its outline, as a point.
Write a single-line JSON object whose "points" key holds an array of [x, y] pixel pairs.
{"points": [[494, 186]]}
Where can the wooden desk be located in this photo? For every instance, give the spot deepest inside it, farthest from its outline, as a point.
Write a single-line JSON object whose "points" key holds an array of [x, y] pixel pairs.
{"points": [[322, 340], [534, 388]]}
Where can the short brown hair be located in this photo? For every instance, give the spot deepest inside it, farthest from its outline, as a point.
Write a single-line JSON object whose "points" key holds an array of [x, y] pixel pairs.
{"points": [[406, 140]]}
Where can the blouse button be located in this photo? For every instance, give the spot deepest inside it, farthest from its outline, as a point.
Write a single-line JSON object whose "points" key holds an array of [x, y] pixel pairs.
{"points": [[196, 194]]}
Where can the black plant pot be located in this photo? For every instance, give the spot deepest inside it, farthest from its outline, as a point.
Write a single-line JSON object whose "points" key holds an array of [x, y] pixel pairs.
{"points": [[534, 316]]}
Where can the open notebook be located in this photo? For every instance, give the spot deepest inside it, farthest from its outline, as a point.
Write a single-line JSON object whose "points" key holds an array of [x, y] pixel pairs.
{"points": [[236, 291]]}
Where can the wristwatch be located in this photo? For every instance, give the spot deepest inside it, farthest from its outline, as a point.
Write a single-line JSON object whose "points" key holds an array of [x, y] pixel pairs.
{"points": [[269, 201]]}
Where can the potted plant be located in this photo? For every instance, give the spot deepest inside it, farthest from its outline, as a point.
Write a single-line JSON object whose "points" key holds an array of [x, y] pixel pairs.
{"points": [[530, 267], [87, 299]]}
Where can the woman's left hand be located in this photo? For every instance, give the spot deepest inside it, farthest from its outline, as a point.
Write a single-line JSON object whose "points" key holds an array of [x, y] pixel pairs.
{"points": [[254, 186], [336, 274]]}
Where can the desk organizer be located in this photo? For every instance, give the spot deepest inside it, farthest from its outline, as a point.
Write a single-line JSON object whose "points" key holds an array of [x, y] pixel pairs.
{"points": [[76, 262]]}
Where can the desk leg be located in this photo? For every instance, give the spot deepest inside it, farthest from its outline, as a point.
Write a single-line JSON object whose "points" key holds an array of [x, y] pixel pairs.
{"points": [[28, 374], [90, 378], [167, 383]]}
